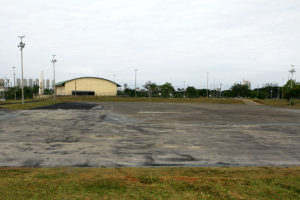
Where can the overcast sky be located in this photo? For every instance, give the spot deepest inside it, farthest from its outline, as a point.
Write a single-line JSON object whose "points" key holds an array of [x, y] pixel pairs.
{"points": [[166, 40]]}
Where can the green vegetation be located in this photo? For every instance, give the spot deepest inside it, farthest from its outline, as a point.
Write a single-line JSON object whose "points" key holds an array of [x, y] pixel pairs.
{"points": [[12, 105], [278, 103], [156, 99], [16, 105], [150, 183], [29, 92]]}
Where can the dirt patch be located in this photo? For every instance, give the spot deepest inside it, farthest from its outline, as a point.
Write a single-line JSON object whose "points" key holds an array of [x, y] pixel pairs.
{"points": [[258, 101]]}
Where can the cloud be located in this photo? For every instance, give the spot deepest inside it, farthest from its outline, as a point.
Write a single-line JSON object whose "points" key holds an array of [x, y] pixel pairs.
{"points": [[231, 39]]}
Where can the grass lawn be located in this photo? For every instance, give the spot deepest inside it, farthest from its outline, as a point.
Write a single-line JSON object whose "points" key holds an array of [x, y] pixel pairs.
{"points": [[19, 106], [145, 99], [16, 105], [279, 103], [150, 183]]}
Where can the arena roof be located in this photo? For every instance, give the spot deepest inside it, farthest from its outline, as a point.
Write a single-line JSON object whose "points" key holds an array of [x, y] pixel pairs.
{"points": [[63, 82]]}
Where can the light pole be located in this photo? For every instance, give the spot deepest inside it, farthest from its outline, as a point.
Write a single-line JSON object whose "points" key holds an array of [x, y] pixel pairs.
{"points": [[184, 89], [292, 71], [53, 62], [14, 76], [135, 70], [15, 83], [220, 90], [207, 85], [214, 88], [21, 46]]}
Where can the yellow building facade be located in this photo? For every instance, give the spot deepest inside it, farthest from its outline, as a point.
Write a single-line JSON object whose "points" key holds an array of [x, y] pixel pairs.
{"points": [[87, 86]]}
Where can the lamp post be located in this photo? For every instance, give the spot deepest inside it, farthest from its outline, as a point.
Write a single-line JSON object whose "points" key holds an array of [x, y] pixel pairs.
{"points": [[207, 85], [135, 70], [292, 71], [21, 46], [14, 82], [184, 93], [53, 62]]}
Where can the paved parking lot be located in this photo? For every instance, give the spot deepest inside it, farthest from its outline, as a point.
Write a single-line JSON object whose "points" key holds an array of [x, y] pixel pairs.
{"points": [[150, 134]]}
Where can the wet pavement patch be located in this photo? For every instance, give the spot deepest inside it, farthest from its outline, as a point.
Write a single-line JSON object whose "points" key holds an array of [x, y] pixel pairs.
{"points": [[68, 106]]}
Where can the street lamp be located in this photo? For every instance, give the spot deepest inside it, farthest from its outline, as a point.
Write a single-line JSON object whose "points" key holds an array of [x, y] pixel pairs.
{"points": [[21, 46], [53, 62], [15, 83], [207, 85], [184, 89], [135, 70]]}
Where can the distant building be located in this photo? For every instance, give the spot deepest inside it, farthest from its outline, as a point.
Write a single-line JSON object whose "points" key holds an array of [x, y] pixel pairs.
{"points": [[25, 83], [30, 82], [1, 83], [47, 84], [125, 86], [18, 82], [247, 83], [36, 82]]}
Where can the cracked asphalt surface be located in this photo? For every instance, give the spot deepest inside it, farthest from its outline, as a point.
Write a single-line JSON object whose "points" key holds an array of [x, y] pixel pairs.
{"points": [[150, 134]]}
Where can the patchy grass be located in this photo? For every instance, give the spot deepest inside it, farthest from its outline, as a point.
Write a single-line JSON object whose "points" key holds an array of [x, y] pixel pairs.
{"points": [[159, 100], [16, 105], [279, 103], [20, 106], [15, 101], [150, 183]]}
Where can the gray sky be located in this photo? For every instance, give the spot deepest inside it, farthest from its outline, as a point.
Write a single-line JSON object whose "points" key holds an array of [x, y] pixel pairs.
{"points": [[166, 40]]}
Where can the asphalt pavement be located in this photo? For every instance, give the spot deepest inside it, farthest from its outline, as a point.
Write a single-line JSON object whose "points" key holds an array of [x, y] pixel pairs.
{"points": [[114, 134]]}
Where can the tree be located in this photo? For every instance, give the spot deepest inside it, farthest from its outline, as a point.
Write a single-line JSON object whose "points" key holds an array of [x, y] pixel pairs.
{"points": [[166, 89], [47, 91], [191, 92], [291, 89], [270, 90], [239, 90], [129, 92], [151, 87]]}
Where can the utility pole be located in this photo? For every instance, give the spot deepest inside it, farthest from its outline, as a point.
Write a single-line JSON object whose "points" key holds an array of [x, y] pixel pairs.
{"points": [[292, 71], [54, 88], [114, 78], [207, 85], [282, 87], [184, 89], [135, 70], [214, 88], [15, 83], [21, 46], [14, 76], [220, 90]]}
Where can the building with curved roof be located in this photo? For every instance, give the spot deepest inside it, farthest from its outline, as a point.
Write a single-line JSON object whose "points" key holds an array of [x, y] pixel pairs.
{"points": [[87, 86]]}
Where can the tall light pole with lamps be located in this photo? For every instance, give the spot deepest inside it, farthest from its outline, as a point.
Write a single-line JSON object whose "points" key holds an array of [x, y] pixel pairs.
{"points": [[292, 71], [135, 70], [15, 83], [207, 85], [21, 46], [53, 62]]}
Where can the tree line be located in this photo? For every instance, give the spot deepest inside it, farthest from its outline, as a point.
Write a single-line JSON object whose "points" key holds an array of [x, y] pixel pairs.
{"points": [[11, 93], [268, 91]]}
